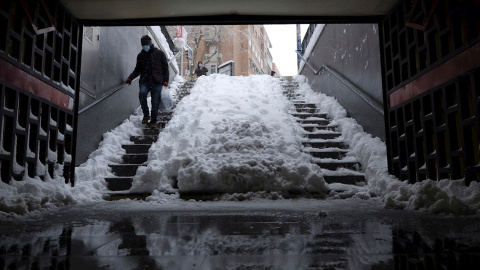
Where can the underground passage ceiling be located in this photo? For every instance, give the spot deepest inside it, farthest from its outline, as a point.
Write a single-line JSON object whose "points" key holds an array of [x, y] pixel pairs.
{"points": [[124, 10]]}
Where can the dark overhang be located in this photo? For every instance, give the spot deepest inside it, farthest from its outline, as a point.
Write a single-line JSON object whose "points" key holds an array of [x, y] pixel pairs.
{"points": [[183, 12]]}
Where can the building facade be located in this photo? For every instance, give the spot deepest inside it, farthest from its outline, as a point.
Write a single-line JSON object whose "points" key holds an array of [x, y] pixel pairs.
{"points": [[248, 46]]}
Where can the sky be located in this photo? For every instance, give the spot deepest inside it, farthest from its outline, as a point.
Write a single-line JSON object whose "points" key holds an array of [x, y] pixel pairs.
{"points": [[284, 44]]}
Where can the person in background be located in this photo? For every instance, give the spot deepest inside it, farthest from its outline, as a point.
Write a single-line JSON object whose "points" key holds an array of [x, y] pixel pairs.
{"points": [[152, 66], [273, 73], [201, 70]]}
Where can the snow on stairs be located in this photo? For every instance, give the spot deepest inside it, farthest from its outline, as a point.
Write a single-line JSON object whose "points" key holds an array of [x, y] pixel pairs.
{"points": [[137, 154], [323, 142]]}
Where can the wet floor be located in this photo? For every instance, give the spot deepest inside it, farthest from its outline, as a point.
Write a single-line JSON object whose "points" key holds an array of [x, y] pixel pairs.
{"points": [[287, 234]]}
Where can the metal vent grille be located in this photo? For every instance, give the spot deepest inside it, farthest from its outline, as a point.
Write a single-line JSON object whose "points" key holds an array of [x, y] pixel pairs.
{"points": [[434, 134], [36, 116]]}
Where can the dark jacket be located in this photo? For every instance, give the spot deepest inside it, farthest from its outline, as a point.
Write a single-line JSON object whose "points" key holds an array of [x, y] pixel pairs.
{"points": [[200, 71], [152, 66]]}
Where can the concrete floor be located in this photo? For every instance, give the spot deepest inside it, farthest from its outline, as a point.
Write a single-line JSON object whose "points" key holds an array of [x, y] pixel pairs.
{"points": [[261, 234]]}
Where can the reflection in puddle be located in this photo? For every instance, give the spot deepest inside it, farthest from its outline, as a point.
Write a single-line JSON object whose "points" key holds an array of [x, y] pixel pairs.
{"points": [[233, 242]]}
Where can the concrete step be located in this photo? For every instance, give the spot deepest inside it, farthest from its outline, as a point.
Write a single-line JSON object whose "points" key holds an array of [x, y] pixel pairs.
{"points": [[136, 148], [320, 122], [213, 195], [308, 115], [135, 158], [119, 183], [305, 105], [344, 179], [289, 82], [162, 123], [306, 110], [324, 144], [145, 139], [296, 102], [332, 166], [124, 170], [115, 196], [323, 136], [333, 154], [164, 118], [150, 131], [125, 194], [312, 128]]}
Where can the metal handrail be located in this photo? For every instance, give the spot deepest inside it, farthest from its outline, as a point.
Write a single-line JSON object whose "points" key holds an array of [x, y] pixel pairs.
{"points": [[360, 93], [308, 64], [104, 97], [173, 57]]}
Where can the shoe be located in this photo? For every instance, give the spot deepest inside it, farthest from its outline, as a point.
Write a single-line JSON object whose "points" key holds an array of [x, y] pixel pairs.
{"points": [[145, 120], [152, 125]]}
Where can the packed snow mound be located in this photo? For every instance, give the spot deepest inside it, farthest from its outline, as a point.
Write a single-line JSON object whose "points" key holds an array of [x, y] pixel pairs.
{"points": [[231, 134], [33, 195]]}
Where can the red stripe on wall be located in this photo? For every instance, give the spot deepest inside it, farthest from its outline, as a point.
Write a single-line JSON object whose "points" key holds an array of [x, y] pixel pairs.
{"points": [[27, 82], [458, 65]]}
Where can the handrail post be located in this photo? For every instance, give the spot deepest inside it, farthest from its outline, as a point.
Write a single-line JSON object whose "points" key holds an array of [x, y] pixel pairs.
{"points": [[174, 56], [314, 71]]}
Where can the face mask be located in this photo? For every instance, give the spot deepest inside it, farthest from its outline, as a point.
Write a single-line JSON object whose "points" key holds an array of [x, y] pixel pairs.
{"points": [[200, 65], [146, 48]]}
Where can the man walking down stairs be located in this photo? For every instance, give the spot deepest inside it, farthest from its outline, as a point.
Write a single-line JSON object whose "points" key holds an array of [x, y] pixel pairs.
{"points": [[137, 153]]}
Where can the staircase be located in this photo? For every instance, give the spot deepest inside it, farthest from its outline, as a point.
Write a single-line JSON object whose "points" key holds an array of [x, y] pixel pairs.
{"points": [[137, 154], [322, 141]]}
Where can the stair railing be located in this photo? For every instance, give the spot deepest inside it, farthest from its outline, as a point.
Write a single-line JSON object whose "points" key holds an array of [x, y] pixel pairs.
{"points": [[118, 88], [359, 92], [308, 64]]}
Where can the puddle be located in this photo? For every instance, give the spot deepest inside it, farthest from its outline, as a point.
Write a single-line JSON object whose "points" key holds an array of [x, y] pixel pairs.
{"points": [[193, 241]]}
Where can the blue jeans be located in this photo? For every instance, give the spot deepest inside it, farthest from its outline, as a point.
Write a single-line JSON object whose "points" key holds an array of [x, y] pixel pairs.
{"points": [[155, 90]]}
